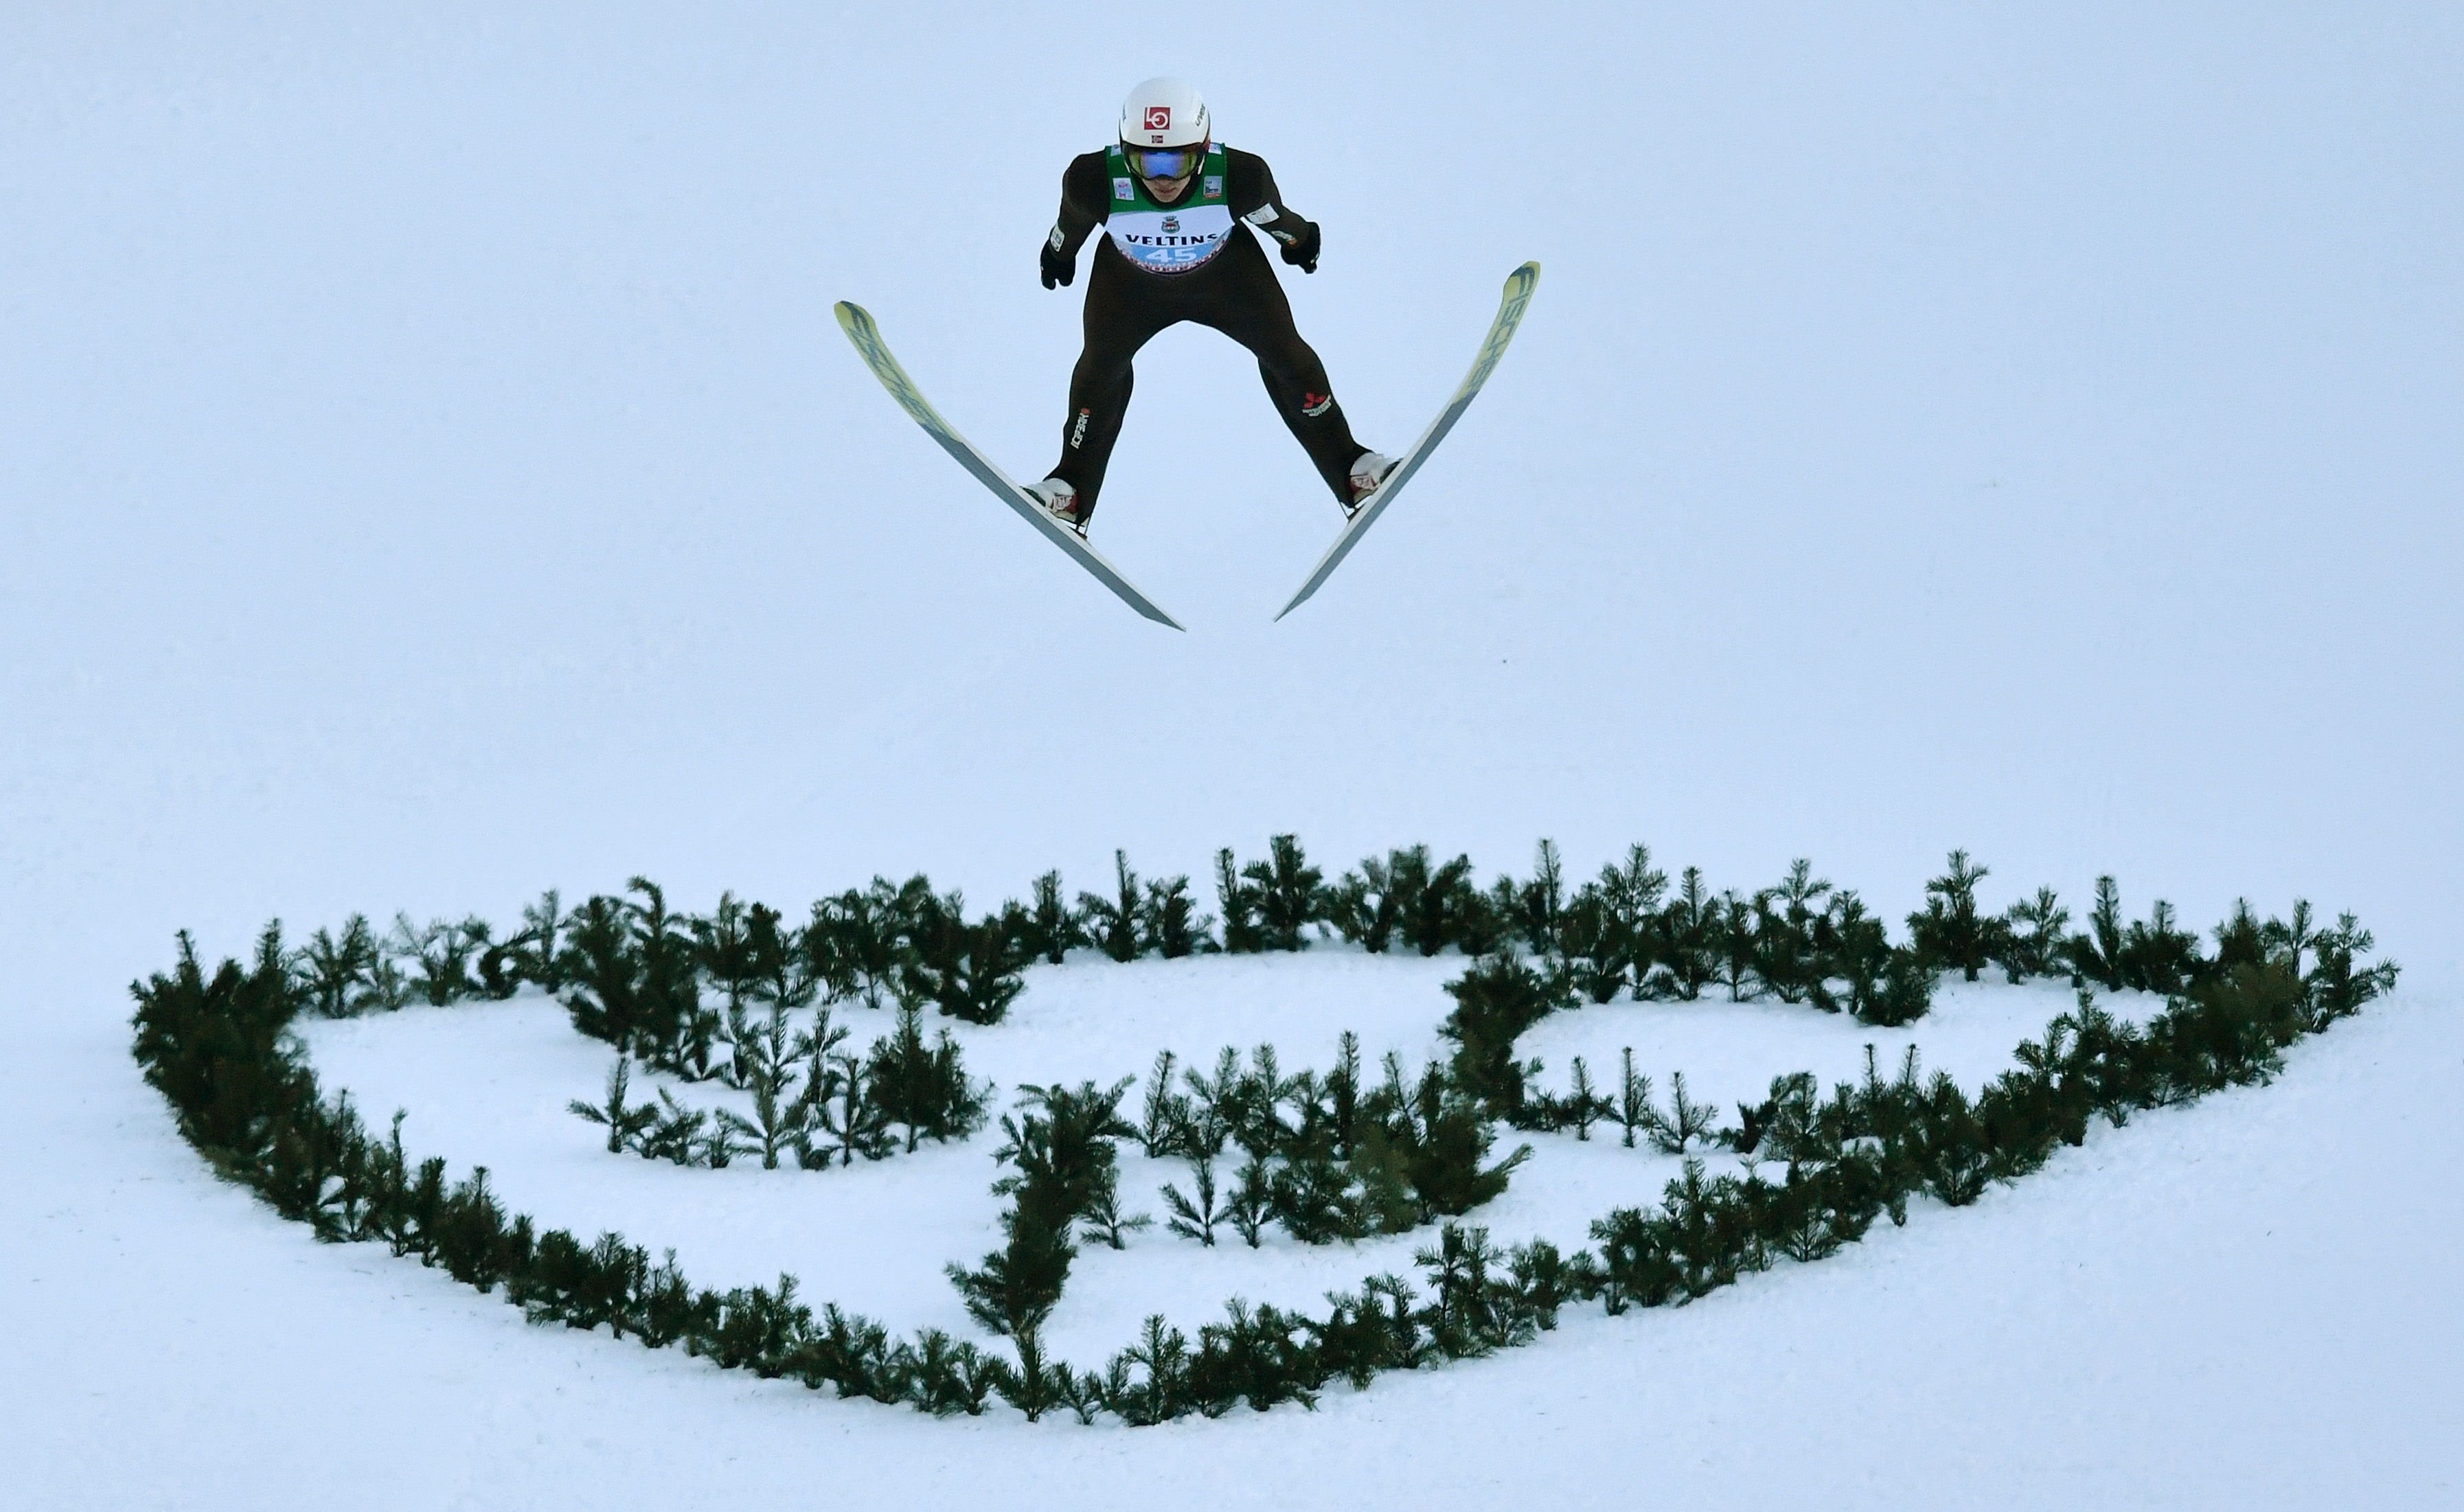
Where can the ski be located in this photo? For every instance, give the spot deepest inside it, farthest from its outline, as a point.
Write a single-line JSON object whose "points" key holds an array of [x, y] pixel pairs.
{"points": [[867, 336], [1518, 285]]}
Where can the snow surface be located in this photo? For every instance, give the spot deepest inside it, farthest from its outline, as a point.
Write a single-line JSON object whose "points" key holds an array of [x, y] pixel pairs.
{"points": [[429, 473]]}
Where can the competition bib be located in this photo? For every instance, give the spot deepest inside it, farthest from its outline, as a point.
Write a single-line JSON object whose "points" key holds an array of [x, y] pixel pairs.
{"points": [[1170, 238]]}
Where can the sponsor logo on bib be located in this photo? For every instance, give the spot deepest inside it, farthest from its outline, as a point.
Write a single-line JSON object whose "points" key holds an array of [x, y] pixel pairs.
{"points": [[1215, 185], [1170, 241], [1121, 189]]}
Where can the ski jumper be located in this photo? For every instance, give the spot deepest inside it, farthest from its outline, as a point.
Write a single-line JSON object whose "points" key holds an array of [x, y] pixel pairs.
{"points": [[1192, 259]]}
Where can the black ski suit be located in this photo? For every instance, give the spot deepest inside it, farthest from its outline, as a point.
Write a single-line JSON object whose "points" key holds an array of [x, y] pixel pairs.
{"points": [[1235, 292]]}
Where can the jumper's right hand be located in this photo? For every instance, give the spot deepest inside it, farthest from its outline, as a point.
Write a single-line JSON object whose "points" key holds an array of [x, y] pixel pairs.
{"points": [[1059, 267]]}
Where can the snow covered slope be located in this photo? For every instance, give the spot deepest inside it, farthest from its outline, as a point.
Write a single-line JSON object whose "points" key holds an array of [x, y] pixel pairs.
{"points": [[489, 1086], [429, 473]]}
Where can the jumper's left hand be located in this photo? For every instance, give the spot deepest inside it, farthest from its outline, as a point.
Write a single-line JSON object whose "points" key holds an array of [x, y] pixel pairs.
{"points": [[1301, 251]]}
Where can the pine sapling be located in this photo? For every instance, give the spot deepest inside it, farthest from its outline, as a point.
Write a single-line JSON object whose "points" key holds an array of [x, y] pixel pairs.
{"points": [[972, 971], [1737, 918], [334, 971], [2337, 986], [1147, 1383], [947, 1375], [538, 952], [1631, 891], [441, 953], [1288, 894], [718, 1145], [1083, 1393], [1949, 931], [1038, 1384], [1052, 927], [1633, 1108], [1194, 1221], [782, 959], [1584, 1106], [1166, 1119], [1484, 921], [2289, 938], [1252, 1205], [2032, 936], [1106, 1222], [1215, 1110], [2158, 956], [1496, 1001], [863, 940], [1540, 904], [678, 1136], [1169, 923], [779, 1122], [1343, 1094], [624, 1125], [2096, 956], [762, 1061], [1433, 896], [1256, 1105], [1686, 1121], [850, 1114], [1314, 1197], [724, 944], [923, 1089], [1598, 949], [1690, 931], [1791, 927], [1366, 907], [1112, 923], [1240, 902], [1466, 1315]]}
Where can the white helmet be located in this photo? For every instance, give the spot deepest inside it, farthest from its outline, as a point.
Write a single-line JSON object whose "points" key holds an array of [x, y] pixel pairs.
{"points": [[1164, 113]]}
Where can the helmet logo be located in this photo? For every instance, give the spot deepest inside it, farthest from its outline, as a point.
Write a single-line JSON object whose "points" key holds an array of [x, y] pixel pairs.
{"points": [[1158, 118]]}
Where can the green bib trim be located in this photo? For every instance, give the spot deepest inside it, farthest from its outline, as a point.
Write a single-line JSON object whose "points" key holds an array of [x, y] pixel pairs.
{"points": [[1169, 239]]}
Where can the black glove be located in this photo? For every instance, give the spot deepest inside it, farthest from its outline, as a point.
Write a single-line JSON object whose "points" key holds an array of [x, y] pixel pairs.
{"points": [[1059, 267], [1301, 251]]}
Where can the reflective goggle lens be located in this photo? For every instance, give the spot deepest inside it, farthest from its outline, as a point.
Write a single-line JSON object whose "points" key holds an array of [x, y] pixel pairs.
{"points": [[1166, 162]]}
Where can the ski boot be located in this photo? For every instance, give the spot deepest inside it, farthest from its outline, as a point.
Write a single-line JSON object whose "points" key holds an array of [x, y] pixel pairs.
{"points": [[1369, 471], [1060, 501]]}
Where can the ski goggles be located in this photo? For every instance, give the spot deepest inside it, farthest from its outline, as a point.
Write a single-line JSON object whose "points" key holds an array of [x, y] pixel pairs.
{"points": [[1166, 162]]}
